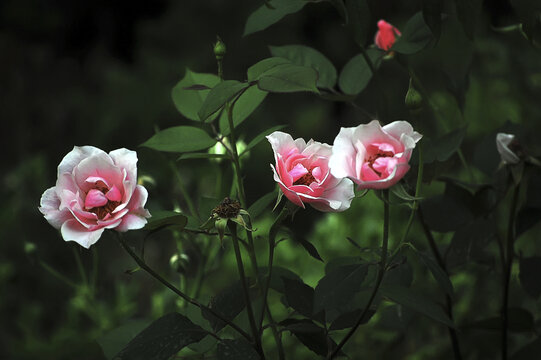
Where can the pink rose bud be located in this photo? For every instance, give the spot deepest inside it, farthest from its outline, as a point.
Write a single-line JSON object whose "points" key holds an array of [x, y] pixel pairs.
{"points": [[374, 157], [386, 35], [504, 143], [302, 172], [95, 191]]}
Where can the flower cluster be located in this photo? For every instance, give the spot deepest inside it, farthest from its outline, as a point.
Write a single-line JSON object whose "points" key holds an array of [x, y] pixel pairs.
{"points": [[369, 155]]}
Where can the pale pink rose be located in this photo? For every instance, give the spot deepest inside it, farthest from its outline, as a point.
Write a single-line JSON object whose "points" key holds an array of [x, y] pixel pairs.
{"points": [[374, 157], [95, 191], [302, 172], [504, 143], [386, 35]]}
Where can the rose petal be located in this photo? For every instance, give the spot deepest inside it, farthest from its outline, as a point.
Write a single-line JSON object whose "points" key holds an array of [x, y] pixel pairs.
{"points": [[131, 222], [114, 194], [297, 172], [342, 160], [74, 157], [49, 207], [100, 165], [95, 198], [126, 159], [72, 230], [337, 198]]}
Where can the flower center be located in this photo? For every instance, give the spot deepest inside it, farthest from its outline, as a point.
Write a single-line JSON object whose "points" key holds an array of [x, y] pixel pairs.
{"points": [[306, 179], [106, 209], [371, 159]]}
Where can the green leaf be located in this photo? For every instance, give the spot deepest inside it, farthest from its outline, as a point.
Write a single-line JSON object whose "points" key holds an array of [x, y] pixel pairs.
{"points": [[439, 274], [527, 218], [163, 218], [229, 303], [255, 71], [299, 296], [256, 140], [278, 274], [311, 335], [188, 102], [113, 341], [309, 247], [349, 319], [236, 349], [245, 105], [359, 20], [432, 16], [469, 241], [399, 191], [219, 96], [356, 74], [180, 139], [261, 204], [413, 300], [530, 268], [468, 13], [288, 78], [336, 289], [528, 351], [441, 148], [307, 56], [264, 17], [202, 156], [415, 36], [163, 338]]}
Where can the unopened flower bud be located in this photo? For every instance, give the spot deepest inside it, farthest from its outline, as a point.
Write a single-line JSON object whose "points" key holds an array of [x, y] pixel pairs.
{"points": [[413, 100], [509, 148], [219, 49]]}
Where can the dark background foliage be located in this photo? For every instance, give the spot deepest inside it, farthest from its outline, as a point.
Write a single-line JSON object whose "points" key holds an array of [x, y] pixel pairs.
{"points": [[101, 72]]}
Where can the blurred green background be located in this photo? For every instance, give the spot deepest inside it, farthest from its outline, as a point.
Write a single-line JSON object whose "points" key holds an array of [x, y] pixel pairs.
{"points": [[100, 73]]}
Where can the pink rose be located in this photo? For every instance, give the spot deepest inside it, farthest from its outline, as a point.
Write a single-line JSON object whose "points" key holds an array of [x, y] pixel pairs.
{"points": [[386, 35], [95, 191], [374, 157], [302, 172]]}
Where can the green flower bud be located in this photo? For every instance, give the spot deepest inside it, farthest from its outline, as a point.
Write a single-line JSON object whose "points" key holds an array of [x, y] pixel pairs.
{"points": [[30, 248], [413, 100], [219, 49]]}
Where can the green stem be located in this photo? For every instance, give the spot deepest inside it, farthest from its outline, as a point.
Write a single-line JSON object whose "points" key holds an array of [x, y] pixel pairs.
{"points": [[242, 275], [379, 279], [57, 275], [508, 266], [183, 191], [142, 264], [95, 269], [448, 301], [80, 266]]}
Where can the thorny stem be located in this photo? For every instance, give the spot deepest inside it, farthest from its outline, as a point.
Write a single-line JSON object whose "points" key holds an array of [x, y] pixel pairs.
{"points": [[507, 270], [142, 264], [379, 279], [448, 301], [247, 300]]}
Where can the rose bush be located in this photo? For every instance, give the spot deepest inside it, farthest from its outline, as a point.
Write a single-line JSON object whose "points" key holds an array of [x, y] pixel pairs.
{"points": [[505, 143], [95, 191], [386, 35], [302, 172], [374, 157]]}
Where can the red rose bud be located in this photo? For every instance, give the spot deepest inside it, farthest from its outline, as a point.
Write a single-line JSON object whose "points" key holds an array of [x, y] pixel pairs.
{"points": [[386, 35]]}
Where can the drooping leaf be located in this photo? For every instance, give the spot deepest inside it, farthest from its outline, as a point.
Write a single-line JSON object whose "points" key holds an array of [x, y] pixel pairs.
{"points": [[416, 35], [187, 99], [438, 273], [468, 14], [163, 338], [219, 96], [288, 78], [299, 296], [245, 105], [529, 12], [336, 288], [180, 139], [530, 268], [415, 301], [307, 56], [236, 349], [443, 147], [278, 273], [259, 68], [356, 74], [349, 319], [309, 247], [469, 241], [359, 17], [311, 335], [432, 16], [399, 191], [256, 140], [162, 218], [264, 16]]}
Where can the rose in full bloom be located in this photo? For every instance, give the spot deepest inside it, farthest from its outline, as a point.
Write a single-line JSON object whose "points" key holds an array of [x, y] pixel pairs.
{"points": [[374, 157], [505, 143], [386, 35], [95, 191], [302, 172]]}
